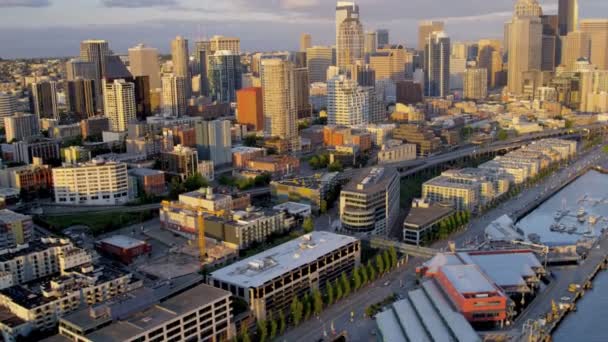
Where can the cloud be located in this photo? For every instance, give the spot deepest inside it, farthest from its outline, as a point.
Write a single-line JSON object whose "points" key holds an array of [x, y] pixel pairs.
{"points": [[25, 3], [138, 3], [299, 4]]}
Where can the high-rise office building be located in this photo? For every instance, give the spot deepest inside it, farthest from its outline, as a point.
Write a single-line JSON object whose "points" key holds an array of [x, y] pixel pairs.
{"points": [[382, 37], [318, 60], [250, 108], [278, 92], [95, 51], [201, 64], [214, 141], [219, 43], [371, 43], [475, 84], [21, 126], [119, 104], [173, 99], [81, 98], [489, 57], [437, 65], [43, 100], [577, 44], [8, 104], [348, 104], [364, 75], [567, 12], [302, 92], [79, 68], [552, 43], [390, 62], [225, 75], [143, 61], [525, 43], [305, 41], [425, 29], [350, 35], [179, 56], [598, 33]]}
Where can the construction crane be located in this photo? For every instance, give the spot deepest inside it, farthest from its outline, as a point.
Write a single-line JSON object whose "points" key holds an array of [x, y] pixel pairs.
{"points": [[200, 222]]}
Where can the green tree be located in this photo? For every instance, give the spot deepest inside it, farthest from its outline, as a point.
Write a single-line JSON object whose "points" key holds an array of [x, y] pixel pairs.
{"points": [[380, 264], [297, 310], [331, 297], [317, 302], [176, 188], [250, 140], [314, 162], [323, 207], [245, 333], [387, 260], [195, 182], [371, 270], [356, 279], [502, 135], [444, 231], [393, 253], [335, 167], [262, 331], [345, 284], [282, 323], [364, 276], [339, 291], [307, 306], [308, 225], [273, 329]]}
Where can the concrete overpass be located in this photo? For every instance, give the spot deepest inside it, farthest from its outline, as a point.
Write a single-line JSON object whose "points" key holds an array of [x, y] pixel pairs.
{"points": [[423, 252], [412, 167]]}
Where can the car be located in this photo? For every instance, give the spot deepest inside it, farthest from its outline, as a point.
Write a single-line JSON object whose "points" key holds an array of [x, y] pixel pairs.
{"points": [[387, 283]]}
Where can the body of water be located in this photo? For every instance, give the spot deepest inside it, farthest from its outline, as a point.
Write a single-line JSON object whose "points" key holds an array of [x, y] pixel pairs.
{"points": [[589, 322], [588, 192]]}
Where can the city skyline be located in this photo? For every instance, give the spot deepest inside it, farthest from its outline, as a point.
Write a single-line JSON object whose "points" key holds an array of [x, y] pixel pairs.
{"points": [[51, 29]]}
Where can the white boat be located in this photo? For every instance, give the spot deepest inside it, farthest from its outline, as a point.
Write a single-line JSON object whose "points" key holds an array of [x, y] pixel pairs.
{"points": [[572, 230], [581, 212], [592, 219]]}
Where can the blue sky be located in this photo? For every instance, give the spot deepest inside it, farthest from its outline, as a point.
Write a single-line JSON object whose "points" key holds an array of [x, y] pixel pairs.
{"points": [[33, 28]]}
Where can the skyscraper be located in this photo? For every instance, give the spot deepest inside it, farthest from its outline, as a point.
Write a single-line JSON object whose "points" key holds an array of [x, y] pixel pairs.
{"points": [[302, 92], [95, 51], [567, 13], [79, 68], [525, 43], [218, 43], [437, 65], [371, 43], [318, 60], [347, 102], [143, 61], [350, 35], [552, 43], [390, 62], [119, 104], [250, 108], [179, 56], [8, 105], [174, 100], [81, 98], [425, 29], [598, 33], [577, 44], [278, 92], [382, 37], [225, 75], [21, 126], [43, 100], [214, 141], [305, 41], [202, 50], [475, 84], [489, 57]]}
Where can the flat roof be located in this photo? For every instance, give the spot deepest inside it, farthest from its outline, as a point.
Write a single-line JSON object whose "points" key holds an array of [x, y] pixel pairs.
{"points": [[158, 314], [371, 180], [123, 241], [421, 217], [145, 172], [272, 263], [9, 216], [467, 279], [507, 269], [292, 206]]}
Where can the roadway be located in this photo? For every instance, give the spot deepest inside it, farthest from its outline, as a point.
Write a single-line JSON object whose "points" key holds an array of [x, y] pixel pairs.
{"points": [[360, 329]]}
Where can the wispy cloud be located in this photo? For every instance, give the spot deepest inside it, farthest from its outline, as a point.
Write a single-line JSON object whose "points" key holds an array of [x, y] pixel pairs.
{"points": [[138, 3], [25, 3]]}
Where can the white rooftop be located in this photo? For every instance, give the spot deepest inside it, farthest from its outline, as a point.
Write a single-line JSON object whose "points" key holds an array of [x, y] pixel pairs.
{"points": [[260, 268], [467, 279], [122, 241]]}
